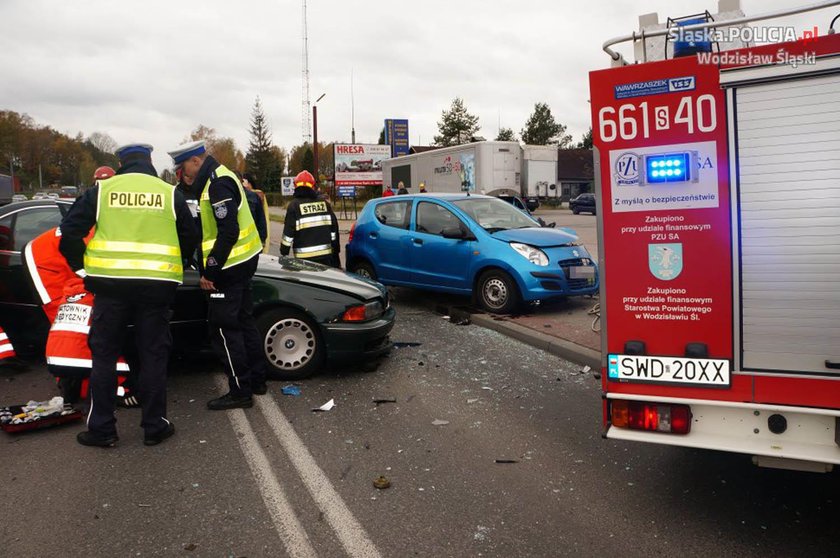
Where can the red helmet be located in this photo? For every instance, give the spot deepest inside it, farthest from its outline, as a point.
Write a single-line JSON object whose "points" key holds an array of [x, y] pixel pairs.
{"points": [[305, 178], [102, 173]]}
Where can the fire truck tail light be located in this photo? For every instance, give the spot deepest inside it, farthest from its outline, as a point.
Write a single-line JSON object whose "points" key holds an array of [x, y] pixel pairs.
{"points": [[654, 417]]}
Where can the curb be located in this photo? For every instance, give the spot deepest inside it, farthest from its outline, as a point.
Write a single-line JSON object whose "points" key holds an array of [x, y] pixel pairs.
{"points": [[559, 347]]}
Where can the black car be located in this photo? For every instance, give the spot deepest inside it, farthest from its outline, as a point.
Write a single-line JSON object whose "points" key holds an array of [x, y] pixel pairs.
{"points": [[516, 202], [307, 314], [583, 203], [532, 203]]}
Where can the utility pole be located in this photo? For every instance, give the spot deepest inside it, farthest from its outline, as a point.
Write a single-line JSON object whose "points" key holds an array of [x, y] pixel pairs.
{"points": [[352, 111], [315, 137]]}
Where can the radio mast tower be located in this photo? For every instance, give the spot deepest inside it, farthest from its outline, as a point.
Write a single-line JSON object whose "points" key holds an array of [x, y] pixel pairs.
{"points": [[306, 107]]}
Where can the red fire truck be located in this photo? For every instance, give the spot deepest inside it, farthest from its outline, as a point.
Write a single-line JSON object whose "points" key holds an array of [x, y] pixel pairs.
{"points": [[718, 191]]}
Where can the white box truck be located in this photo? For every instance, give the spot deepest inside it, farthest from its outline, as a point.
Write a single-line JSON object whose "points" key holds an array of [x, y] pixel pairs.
{"points": [[539, 170], [481, 167]]}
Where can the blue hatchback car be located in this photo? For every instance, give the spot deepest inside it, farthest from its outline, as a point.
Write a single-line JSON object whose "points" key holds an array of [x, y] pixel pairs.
{"points": [[473, 244]]}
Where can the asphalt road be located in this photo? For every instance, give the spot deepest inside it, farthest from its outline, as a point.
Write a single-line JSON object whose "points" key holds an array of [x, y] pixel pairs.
{"points": [[281, 480]]}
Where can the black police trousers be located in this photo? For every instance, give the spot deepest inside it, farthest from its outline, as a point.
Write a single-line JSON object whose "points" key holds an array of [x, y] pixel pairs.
{"points": [[235, 337], [109, 324]]}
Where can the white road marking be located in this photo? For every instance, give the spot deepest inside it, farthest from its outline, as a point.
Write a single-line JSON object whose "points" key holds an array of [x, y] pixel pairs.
{"points": [[286, 523], [350, 532]]}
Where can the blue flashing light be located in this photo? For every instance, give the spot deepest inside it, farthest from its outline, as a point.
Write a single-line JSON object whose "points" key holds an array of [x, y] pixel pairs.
{"points": [[668, 168]]}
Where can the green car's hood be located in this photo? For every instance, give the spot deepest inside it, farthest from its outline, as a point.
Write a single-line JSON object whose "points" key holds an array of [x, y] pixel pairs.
{"points": [[302, 271]]}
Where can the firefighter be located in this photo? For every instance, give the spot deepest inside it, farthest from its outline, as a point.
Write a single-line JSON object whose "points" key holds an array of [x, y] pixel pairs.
{"points": [[7, 351], [230, 251], [311, 229], [133, 264]]}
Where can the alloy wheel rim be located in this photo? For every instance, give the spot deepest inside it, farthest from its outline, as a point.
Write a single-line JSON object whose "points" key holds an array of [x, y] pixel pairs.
{"points": [[290, 344]]}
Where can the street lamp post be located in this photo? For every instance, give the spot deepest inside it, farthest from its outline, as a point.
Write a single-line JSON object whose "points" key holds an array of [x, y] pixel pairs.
{"points": [[315, 136]]}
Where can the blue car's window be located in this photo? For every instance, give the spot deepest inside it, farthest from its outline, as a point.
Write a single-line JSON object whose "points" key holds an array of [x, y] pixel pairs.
{"points": [[433, 218], [394, 214], [493, 214]]}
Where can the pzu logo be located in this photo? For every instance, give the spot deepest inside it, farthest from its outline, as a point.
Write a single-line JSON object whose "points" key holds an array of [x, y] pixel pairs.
{"points": [[681, 84], [627, 169]]}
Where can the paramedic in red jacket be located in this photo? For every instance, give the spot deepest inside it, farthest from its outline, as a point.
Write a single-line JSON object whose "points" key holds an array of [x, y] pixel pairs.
{"points": [[67, 352]]}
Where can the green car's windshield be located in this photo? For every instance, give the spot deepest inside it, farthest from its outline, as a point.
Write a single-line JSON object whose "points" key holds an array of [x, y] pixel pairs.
{"points": [[494, 214]]}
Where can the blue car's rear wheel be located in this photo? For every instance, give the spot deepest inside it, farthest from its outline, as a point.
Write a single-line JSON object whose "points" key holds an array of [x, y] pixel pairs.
{"points": [[292, 345], [363, 269], [496, 292]]}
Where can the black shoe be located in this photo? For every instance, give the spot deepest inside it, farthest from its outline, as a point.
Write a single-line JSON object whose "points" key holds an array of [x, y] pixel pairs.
{"points": [[155, 439], [229, 401], [88, 438], [128, 401], [259, 389]]}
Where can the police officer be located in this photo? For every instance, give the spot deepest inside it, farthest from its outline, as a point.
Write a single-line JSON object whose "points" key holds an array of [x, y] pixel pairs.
{"points": [[230, 251], [133, 264], [311, 228]]}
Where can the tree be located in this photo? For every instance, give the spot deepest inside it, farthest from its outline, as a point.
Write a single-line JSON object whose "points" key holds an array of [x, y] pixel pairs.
{"points": [[167, 176], [381, 140], [261, 159], [542, 129], [103, 142], [296, 158], [586, 141], [456, 125], [326, 159], [224, 150], [308, 162], [506, 134]]}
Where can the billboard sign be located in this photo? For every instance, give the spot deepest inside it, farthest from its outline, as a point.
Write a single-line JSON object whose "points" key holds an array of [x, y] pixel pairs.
{"points": [[396, 135], [359, 164]]}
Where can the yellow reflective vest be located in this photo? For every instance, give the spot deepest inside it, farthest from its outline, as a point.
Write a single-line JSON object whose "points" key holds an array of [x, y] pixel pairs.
{"points": [[136, 236], [248, 244]]}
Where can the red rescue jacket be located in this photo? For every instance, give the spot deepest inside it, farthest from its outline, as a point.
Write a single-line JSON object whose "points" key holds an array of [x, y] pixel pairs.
{"points": [[6, 349], [67, 343], [49, 270]]}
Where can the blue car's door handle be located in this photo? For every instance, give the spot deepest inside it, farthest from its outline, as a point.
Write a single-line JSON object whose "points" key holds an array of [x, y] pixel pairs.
{"points": [[374, 235], [417, 241]]}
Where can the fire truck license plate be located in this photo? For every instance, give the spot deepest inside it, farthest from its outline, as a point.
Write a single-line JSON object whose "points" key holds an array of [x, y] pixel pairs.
{"points": [[669, 370]]}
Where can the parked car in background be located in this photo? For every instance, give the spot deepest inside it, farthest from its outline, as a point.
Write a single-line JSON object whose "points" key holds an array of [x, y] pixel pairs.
{"points": [[532, 203], [516, 202], [68, 192], [584, 203], [52, 196], [307, 314], [468, 244], [18, 198], [40, 196]]}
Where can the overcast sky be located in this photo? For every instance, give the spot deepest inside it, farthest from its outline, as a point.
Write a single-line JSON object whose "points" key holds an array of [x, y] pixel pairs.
{"points": [[153, 70]]}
